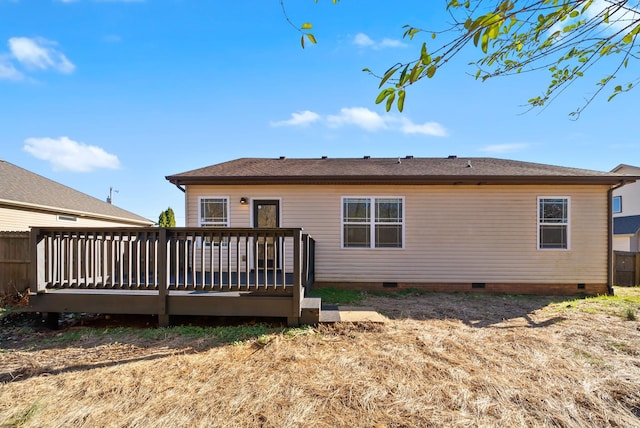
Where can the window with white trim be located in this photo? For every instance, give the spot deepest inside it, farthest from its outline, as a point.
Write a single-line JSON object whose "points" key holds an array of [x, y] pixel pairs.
{"points": [[214, 212], [553, 223], [369, 222], [617, 204]]}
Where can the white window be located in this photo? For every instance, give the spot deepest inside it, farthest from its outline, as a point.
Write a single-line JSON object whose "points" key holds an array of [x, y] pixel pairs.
{"points": [[617, 204], [214, 212], [553, 223], [372, 222]]}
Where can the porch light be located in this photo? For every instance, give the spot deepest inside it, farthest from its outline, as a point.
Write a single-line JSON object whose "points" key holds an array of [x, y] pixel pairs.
{"points": [[244, 201]]}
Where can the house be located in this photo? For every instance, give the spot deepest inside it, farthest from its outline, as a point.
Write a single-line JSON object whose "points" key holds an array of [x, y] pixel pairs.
{"points": [[442, 224], [626, 212], [28, 199]]}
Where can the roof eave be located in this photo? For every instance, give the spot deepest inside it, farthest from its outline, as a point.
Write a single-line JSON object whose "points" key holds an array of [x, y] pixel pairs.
{"points": [[420, 180]]}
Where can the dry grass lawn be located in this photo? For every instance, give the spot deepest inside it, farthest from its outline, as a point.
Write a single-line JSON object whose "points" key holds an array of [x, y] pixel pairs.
{"points": [[440, 360]]}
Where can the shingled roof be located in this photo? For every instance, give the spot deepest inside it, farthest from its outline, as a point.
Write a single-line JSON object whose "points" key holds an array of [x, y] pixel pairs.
{"points": [[22, 188], [406, 170], [626, 225]]}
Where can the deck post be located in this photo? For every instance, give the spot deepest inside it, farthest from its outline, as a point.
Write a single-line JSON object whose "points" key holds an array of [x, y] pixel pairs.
{"points": [[36, 275], [163, 266], [294, 319]]}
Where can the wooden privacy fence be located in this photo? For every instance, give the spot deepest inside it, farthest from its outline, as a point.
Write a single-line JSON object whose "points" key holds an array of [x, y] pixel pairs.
{"points": [[14, 263], [167, 264], [627, 268]]}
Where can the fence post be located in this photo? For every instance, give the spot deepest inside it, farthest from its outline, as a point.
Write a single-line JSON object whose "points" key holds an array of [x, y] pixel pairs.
{"points": [[163, 266]]}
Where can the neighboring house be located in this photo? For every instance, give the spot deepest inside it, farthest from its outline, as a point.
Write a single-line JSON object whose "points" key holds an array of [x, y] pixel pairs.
{"points": [[30, 200], [445, 224], [626, 212]]}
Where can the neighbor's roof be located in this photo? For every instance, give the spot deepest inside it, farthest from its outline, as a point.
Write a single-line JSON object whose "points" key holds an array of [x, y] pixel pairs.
{"points": [[626, 225], [22, 188], [407, 170], [623, 168]]}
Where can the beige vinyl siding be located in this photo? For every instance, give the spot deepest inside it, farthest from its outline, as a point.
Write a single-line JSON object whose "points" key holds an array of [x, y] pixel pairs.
{"points": [[452, 234], [12, 219]]}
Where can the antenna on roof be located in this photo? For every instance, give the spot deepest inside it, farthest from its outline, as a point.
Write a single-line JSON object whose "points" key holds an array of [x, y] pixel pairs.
{"points": [[110, 197]]}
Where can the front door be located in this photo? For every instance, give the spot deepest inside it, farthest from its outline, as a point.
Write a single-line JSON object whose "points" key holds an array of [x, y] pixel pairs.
{"points": [[266, 214]]}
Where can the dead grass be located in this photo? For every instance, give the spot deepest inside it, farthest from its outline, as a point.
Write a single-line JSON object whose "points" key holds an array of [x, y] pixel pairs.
{"points": [[440, 360]]}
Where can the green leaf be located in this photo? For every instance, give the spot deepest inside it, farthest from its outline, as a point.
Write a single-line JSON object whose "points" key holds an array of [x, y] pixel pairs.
{"points": [[587, 5], [388, 75], [431, 71], [307, 26], [390, 99], [384, 94], [627, 39], [485, 43], [415, 72], [476, 38], [311, 38], [302, 41], [401, 94], [493, 31]]}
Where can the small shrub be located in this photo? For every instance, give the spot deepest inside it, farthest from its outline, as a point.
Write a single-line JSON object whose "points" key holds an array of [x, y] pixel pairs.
{"points": [[630, 314]]}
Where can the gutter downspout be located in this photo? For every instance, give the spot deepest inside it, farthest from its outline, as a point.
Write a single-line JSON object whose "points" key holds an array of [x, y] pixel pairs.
{"points": [[180, 187], [610, 267]]}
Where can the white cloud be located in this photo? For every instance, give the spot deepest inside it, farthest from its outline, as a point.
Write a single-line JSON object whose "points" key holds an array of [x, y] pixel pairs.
{"points": [[358, 116], [302, 118], [618, 19], [65, 154], [505, 148], [433, 129], [365, 41], [367, 120], [8, 70], [39, 54]]}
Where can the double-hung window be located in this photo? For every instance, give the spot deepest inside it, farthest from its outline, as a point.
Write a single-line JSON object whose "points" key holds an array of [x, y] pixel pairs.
{"points": [[214, 212], [553, 223], [370, 222]]}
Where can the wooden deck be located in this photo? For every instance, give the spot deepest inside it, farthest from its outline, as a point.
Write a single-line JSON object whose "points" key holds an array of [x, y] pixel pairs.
{"points": [[172, 271]]}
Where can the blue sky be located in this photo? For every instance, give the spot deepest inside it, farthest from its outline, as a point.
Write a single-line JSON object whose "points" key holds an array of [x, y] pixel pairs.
{"points": [[99, 94]]}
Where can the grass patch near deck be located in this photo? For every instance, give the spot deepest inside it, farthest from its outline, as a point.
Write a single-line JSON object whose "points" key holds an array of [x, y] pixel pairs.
{"points": [[336, 296]]}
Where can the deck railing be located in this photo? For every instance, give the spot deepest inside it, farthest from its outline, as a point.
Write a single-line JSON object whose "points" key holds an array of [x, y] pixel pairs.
{"points": [[198, 259]]}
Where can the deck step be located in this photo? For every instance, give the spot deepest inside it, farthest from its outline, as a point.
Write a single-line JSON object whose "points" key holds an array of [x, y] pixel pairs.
{"points": [[310, 313]]}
